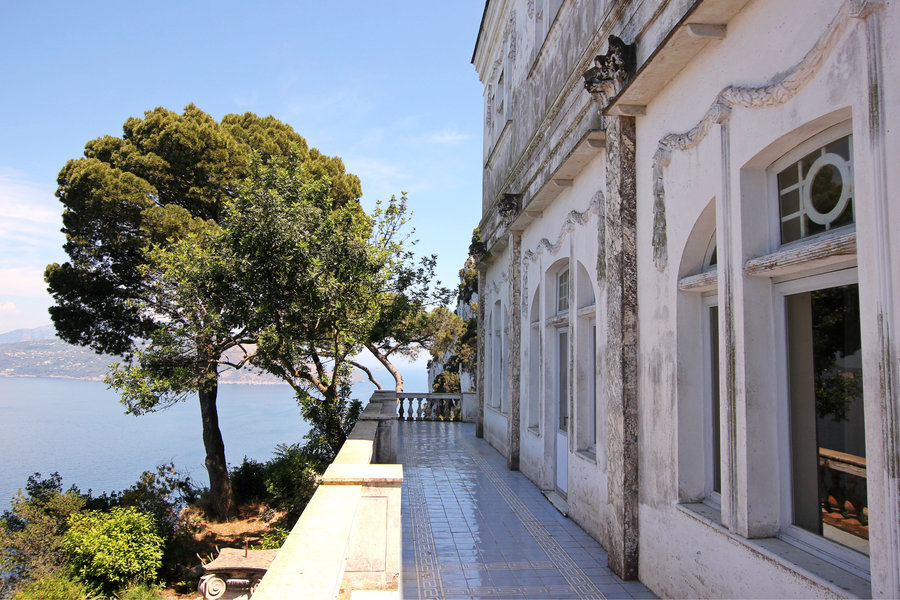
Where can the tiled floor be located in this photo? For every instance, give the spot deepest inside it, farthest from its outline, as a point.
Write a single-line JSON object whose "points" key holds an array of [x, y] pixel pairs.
{"points": [[473, 529]]}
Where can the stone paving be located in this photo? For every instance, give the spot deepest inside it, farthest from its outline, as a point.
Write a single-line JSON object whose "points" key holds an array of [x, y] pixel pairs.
{"points": [[473, 529]]}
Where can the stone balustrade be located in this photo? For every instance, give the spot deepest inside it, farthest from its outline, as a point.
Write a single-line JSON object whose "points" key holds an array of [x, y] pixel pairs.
{"points": [[348, 537], [429, 407]]}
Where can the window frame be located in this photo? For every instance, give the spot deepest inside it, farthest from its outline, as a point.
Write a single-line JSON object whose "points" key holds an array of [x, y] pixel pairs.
{"points": [[773, 198], [829, 550], [711, 497]]}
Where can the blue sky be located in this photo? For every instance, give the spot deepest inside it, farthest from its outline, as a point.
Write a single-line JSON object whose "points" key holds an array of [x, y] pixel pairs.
{"points": [[386, 85]]}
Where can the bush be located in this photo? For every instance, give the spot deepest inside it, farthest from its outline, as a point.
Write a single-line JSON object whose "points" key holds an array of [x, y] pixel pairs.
{"points": [[115, 549], [248, 481], [274, 539], [31, 532], [53, 586], [292, 480]]}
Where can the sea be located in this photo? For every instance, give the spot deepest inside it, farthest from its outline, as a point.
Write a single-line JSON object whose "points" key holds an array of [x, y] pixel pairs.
{"points": [[80, 430]]}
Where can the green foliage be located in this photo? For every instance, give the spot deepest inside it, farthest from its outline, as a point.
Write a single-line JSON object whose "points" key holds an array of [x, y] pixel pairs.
{"points": [[249, 481], [146, 278], [291, 480], [115, 549], [31, 532], [446, 382], [274, 539], [139, 591], [53, 586]]}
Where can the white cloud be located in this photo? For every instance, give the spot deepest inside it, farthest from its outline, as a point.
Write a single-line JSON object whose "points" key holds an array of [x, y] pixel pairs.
{"points": [[22, 281], [29, 214], [8, 307], [447, 137]]}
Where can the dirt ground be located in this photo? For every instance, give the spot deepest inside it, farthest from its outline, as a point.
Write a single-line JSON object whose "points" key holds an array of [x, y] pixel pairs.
{"points": [[209, 537]]}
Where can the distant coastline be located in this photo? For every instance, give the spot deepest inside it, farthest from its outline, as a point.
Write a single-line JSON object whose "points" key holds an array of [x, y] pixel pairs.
{"points": [[38, 353]]}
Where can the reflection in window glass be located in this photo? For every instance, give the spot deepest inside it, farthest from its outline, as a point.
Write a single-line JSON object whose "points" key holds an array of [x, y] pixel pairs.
{"points": [[828, 444]]}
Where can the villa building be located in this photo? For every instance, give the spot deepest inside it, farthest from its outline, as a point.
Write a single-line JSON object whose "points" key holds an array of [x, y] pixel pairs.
{"points": [[689, 284]]}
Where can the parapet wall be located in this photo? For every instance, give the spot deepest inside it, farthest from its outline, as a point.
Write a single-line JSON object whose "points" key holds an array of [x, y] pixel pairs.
{"points": [[348, 537]]}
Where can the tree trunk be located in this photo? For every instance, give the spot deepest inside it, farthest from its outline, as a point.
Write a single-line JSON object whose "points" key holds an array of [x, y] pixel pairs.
{"points": [[332, 426], [398, 378], [219, 483]]}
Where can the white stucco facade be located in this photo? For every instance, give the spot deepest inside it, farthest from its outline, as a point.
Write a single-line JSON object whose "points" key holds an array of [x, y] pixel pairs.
{"points": [[675, 236]]}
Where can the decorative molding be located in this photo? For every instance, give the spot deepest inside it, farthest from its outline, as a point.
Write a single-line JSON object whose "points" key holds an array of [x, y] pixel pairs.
{"points": [[494, 286], [573, 219], [775, 93]]}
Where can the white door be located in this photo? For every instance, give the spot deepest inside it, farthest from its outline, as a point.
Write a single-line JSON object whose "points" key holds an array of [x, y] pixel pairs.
{"points": [[562, 412]]}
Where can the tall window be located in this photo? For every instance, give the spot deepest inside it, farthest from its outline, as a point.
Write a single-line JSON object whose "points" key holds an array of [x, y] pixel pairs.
{"points": [[545, 12], [828, 442], [822, 356], [534, 363], [562, 291]]}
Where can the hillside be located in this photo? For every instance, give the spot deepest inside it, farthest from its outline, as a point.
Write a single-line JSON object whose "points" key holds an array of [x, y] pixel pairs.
{"points": [[38, 356]]}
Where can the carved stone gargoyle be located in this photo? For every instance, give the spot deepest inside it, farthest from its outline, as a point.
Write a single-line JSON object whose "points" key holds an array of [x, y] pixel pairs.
{"points": [[509, 205], [610, 71]]}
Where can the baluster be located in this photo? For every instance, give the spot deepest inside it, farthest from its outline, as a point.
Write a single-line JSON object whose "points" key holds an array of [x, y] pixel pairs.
{"points": [[420, 412], [429, 413], [409, 410], [456, 409], [443, 409], [400, 408]]}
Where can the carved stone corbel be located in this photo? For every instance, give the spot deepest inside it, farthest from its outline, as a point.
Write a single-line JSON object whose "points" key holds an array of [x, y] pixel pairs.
{"points": [[611, 71]]}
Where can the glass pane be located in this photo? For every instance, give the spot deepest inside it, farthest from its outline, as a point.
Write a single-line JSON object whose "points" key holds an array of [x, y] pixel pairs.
{"points": [[790, 202], [840, 147], [828, 454], [788, 177], [790, 230], [812, 228], [826, 188], [807, 161]]}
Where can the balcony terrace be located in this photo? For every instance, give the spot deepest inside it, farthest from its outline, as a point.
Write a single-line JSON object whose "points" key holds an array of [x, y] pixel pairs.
{"points": [[460, 526]]}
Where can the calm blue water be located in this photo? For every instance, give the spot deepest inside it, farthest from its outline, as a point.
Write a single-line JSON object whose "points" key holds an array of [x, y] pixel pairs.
{"points": [[79, 429]]}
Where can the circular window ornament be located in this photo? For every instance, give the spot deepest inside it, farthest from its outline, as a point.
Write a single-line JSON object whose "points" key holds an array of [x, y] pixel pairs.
{"points": [[826, 188]]}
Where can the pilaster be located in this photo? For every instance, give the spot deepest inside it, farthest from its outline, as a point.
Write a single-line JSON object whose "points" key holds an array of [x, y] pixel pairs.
{"points": [[482, 335], [515, 348], [622, 331]]}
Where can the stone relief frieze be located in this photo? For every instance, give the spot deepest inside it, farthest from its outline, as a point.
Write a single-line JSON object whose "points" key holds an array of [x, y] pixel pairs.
{"points": [[493, 287], [774, 93]]}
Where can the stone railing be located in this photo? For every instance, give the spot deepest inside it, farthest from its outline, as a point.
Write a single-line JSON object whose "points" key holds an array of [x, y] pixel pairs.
{"points": [[348, 537], [431, 407]]}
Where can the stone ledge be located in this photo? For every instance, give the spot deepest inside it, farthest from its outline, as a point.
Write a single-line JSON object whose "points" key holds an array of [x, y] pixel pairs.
{"points": [[374, 474]]}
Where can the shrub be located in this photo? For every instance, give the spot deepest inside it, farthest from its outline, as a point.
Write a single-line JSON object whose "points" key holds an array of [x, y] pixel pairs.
{"points": [[292, 480], [115, 549], [53, 586], [248, 481], [31, 532], [274, 539]]}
